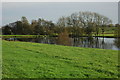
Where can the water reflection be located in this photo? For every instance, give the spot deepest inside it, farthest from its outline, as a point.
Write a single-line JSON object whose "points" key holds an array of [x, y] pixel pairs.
{"points": [[117, 42], [97, 42], [91, 42]]}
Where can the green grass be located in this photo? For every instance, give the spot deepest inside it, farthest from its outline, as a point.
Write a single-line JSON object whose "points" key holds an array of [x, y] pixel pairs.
{"points": [[33, 36], [0, 59], [17, 35], [110, 35], [22, 36], [35, 60]]}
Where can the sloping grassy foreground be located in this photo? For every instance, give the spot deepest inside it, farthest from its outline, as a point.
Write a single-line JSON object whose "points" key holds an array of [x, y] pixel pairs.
{"points": [[34, 60]]}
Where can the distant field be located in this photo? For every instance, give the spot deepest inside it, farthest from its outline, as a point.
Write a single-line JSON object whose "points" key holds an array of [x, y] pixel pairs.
{"points": [[20, 36], [110, 35], [35, 60], [32, 36]]}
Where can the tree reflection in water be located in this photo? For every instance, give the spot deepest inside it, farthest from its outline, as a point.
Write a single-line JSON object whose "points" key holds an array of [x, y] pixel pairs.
{"points": [[117, 42]]}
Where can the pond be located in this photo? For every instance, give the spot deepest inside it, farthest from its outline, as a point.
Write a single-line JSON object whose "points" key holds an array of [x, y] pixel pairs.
{"points": [[88, 42]]}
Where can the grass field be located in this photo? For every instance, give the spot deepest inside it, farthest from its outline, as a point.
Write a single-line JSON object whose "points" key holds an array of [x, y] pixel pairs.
{"points": [[33, 36], [0, 59], [105, 35], [35, 60], [21, 36]]}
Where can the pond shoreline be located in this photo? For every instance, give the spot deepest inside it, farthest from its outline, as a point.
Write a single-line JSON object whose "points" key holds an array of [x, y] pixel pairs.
{"points": [[87, 42], [36, 36]]}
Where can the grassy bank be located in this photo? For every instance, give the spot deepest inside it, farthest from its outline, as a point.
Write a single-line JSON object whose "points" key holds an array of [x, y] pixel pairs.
{"points": [[21, 36], [33, 36], [34, 60]]}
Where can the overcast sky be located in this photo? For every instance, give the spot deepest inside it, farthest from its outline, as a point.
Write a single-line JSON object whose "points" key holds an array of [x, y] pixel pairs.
{"points": [[12, 12]]}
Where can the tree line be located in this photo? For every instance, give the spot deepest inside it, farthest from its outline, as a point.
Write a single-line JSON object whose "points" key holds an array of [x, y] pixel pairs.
{"points": [[77, 24]]}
